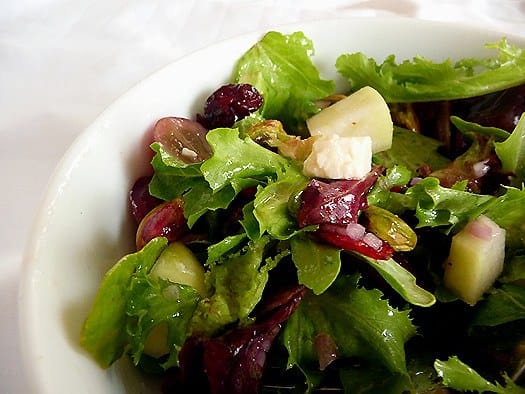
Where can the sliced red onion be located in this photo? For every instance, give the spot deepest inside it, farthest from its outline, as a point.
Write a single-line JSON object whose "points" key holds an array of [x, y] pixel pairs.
{"points": [[373, 241], [355, 231], [481, 168], [415, 180]]}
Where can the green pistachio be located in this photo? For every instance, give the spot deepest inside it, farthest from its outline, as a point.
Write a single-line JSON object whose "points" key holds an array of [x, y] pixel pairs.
{"points": [[390, 228]]}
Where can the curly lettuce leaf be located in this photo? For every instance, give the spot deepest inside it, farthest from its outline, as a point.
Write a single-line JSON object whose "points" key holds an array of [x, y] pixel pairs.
{"points": [[511, 152], [236, 286], [424, 80], [381, 194], [153, 302], [218, 250], [361, 323], [508, 211], [104, 331], [237, 161], [172, 177], [441, 206], [460, 376], [281, 68]]}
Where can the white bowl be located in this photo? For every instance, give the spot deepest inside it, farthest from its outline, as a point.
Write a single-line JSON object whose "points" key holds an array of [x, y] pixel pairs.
{"points": [[84, 226]]}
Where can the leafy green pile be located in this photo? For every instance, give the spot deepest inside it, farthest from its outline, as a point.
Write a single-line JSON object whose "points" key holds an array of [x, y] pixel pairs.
{"points": [[373, 328]]}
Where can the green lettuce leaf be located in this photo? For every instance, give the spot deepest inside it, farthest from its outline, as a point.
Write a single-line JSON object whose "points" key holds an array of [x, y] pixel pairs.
{"points": [[460, 376], [317, 264], [236, 286], [503, 305], [104, 331], [402, 281], [508, 211], [424, 80], [514, 269], [374, 380], [467, 128], [361, 323], [239, 162], [222, 248], [440, 206], [511, 152], [281, 68], [381, 193], [412, 150], [172, 177], [271, 205], [152, 302]]}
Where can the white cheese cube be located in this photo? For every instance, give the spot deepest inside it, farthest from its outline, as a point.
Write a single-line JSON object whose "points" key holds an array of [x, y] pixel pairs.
{"points": [[336, 157]]}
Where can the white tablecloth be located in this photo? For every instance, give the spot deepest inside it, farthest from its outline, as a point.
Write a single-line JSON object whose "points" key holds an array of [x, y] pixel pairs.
{"points": [[63, 61]]}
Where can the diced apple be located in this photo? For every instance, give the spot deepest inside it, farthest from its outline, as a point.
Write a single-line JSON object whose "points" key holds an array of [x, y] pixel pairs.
{"points": [[156, 344], [476, 259], [363, 113], [177, 264]]}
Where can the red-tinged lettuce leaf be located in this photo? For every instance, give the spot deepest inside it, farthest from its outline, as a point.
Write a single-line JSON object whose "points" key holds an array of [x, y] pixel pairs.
{"points": [[234, 362], [368, 244], [362, 324], [335, 207], [337, 202]]}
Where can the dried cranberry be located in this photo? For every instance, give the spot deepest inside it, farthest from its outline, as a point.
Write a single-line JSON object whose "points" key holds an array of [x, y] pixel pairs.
{"points": [[228, 104]]}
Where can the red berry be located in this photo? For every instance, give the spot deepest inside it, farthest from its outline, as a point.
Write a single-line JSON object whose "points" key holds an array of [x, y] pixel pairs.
{"points": [[228, 104]]}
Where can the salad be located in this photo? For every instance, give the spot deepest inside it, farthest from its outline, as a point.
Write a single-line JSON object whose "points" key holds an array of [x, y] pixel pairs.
{"points": [[291, 238]]}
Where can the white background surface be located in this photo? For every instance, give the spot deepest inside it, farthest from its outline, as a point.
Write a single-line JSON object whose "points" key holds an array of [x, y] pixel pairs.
{"points": [[62, 62]]}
